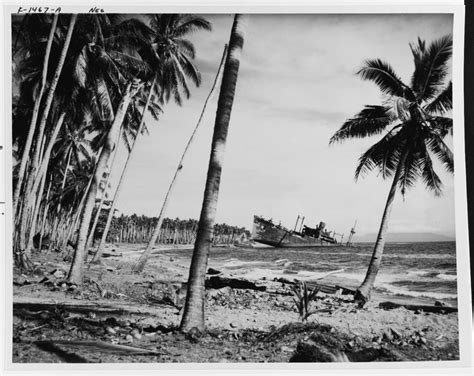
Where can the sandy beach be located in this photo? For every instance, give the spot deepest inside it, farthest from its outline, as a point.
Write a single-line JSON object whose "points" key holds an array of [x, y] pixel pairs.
{"points": [[117, 307]]}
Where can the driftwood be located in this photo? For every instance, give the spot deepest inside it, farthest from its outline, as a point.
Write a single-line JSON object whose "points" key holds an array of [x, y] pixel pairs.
{"points": [[217, 282], [35, 305], [100, 346], [66, 350], [413, 307]]}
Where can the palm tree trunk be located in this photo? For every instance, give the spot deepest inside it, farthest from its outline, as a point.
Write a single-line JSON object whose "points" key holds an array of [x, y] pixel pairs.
{"points": [[45, 215], [33, 198], [362, 294], [140, 265], [103, 239], [78, 210], [41, 177], [34, 118], [90, 237], [34, 218], [75, 272], [58, 208], [193, 316], [49, 100], [47, 154], [52, 88], [48, 103]]}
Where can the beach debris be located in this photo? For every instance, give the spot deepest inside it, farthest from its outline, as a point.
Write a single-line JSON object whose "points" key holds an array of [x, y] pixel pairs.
{"points": [[193, 335], [418, 308], [212, 271], [100, 346], [218, 282], [284, 281], [21, 280], [58, 273], [310, 351], [396, 334]]}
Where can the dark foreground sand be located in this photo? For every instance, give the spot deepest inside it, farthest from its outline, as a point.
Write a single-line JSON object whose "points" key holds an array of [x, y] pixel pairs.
{"points": [[115, 306]]}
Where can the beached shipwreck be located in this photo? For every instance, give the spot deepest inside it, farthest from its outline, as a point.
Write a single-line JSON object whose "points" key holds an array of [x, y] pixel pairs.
{"points": [[266, 232]]}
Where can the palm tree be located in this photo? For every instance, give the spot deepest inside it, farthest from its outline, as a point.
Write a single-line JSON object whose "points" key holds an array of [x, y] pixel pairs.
{"points": [[172, 57], [193, 315], [75, 272], [414, 117]]}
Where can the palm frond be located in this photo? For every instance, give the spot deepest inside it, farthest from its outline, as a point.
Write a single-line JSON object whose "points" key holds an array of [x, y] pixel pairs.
{"points": [[443, 102], [412, 166], [372, 120], [191, 70], [189, 23], [430, 178], [383, 155], [441, 151], [186, 47], [81, 67], [431, 68], [383, 75]]}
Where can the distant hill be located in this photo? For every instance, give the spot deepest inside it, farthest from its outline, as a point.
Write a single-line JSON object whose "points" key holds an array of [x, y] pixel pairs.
{"points": [[400, 237]]}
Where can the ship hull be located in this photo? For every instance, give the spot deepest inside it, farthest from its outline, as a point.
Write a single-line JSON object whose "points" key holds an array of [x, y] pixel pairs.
{"points": [[265, 232]]}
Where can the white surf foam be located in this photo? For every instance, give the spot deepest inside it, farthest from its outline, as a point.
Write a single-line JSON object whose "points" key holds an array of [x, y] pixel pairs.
{"points": [[447, 277], [417, 294]]}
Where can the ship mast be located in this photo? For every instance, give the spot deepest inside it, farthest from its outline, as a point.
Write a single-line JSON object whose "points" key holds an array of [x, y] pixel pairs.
{"points": [[301, 225], [296, 224], [349, 241]]}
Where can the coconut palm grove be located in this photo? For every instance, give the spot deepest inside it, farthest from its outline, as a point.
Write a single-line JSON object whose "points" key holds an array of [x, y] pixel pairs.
{"points": [[95, 284]]}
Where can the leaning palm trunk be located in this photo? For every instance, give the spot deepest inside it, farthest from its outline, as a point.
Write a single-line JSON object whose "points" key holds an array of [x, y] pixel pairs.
{"points": [[100, 249], [45, 216], [58, 208], [40, 181], [362, 294], [47, 154], [27, 225], [52, 89], [34, 118], [156, 232], [90, 237], [34, 219], [75, 272], [193, 315]]}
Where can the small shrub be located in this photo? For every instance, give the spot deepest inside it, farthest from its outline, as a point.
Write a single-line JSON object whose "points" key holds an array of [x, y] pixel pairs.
{"points": [[303, 298]]}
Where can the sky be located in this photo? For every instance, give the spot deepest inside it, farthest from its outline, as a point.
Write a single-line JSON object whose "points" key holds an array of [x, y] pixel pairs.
{"points": [[297, 85]]}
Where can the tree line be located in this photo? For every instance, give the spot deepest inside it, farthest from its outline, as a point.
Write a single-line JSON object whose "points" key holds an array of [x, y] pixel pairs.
{"points": [[139, 229]]}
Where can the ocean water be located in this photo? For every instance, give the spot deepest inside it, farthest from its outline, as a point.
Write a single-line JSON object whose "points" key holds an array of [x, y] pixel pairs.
{"points": [[419, 270]]}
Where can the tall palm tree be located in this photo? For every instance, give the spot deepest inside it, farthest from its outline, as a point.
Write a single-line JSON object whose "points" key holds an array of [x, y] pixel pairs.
{"points": [[414, 126], [171, 55], [75, 272], [193, 315]]}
